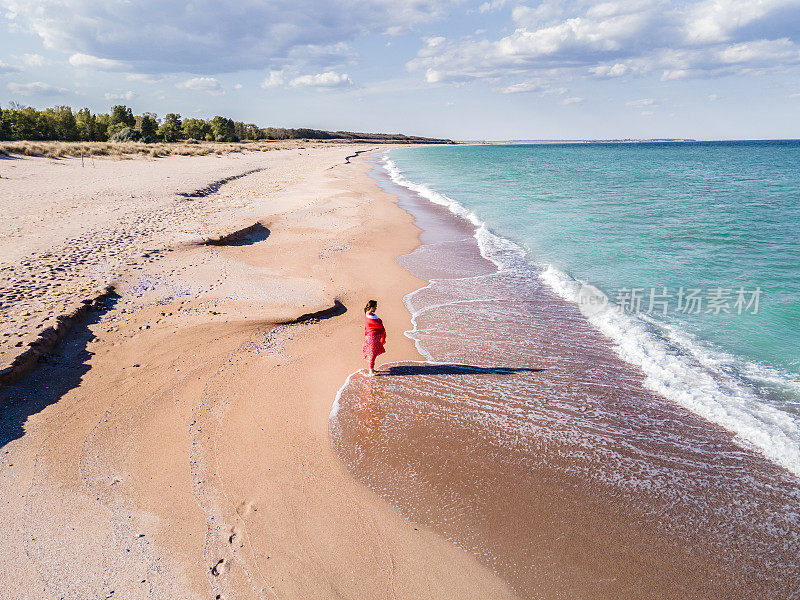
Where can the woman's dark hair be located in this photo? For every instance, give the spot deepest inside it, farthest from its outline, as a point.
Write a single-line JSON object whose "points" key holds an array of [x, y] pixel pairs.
{"points": [[371, 305]]}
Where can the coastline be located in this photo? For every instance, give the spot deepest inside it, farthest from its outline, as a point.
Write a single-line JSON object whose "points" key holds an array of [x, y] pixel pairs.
{"points": [[176, 443], [581, 481], [739, 377]]}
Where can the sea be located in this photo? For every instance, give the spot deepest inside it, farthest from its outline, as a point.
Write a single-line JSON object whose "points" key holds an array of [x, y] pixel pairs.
{"points": [[611, 336]]}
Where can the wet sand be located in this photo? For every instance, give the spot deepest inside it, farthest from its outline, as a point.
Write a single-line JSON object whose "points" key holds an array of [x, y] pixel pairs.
{"points": [[175, 443]]}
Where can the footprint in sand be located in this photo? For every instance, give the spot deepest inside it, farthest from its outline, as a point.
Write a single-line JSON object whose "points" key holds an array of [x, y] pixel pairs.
{"points": [[245, 508], [234, 535], [220, 568]]}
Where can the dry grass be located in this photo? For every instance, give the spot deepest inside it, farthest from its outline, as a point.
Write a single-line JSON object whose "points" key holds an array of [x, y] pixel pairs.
{"points": [[123, 150]]}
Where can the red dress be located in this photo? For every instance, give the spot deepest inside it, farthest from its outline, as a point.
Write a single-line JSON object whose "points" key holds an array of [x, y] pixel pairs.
{"points": [[374, 338]]}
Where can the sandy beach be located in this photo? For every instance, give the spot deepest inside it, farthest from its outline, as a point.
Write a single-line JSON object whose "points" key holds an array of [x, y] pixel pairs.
{"points": [[182, 414], [573, 225], [71, 226], [175, 443]]}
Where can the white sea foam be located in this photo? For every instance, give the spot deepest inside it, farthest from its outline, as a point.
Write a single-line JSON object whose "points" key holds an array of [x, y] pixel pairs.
{"points": [[429, 194], [675, 365], [336, 402], [415, 314], [492, 247], [680, 369]]}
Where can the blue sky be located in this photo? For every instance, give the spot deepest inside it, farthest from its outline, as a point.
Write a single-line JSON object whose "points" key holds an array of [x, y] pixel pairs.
{"points": [[713, 69]]}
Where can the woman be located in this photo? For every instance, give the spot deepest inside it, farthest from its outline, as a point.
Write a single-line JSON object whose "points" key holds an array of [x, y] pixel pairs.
{"points": [[374, 335]]}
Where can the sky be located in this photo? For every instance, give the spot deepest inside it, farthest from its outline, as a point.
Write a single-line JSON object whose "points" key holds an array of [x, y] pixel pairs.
{"points": [[461, 69]]}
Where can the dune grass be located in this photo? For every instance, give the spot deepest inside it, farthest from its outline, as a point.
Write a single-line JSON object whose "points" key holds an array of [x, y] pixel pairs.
{"points": [[122, 150]]}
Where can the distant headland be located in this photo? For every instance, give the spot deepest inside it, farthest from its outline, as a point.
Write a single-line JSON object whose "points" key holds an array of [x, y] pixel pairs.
{"points": [[597, 141]]}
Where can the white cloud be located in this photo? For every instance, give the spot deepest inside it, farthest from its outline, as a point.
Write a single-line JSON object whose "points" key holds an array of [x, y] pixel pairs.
{"points": [[35, 88], [670, 75], [207, 37], [524, 87], [34, 60], [759, 53], [329, 79], [619, 38], [544, 40], [238, 86], [6, 68], [143, 78], [433, 76], [273, 79], [492, 6], [129, 95], [539, 86], [724, 20], [201, 84], [526, 16], [87, 61], [713, 97], [575, 41], [641, 103], [609, 71], [572, 100]]}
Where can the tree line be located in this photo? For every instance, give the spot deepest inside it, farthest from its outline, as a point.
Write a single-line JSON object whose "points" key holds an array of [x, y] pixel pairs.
{"points": [[60, 123]]}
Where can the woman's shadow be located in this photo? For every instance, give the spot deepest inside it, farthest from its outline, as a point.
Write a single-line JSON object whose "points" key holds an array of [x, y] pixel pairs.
{"points": [[455, 369]]}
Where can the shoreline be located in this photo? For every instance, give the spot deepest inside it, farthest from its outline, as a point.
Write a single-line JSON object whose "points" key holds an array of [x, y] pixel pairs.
{"points": [[178, 442], [716, 384], [176, 445], [580, 481]]}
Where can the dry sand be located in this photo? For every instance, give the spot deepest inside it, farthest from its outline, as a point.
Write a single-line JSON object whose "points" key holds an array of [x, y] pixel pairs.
{"points": [[71, 227], [175, 444]]}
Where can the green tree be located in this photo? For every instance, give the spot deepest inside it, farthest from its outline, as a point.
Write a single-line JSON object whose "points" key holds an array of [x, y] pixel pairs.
{"points": [[195, 129], [147, 123], [120, 118], [101, 124], [29, 124], [18, 122], [251, 132], [61, 123], [223, 129], [170, 129], [86, 124], [5, 129], [275, 133]]}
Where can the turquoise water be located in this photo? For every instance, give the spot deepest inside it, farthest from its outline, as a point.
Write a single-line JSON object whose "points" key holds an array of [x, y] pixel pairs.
{"points": [[719, 220], [697, 216]]}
